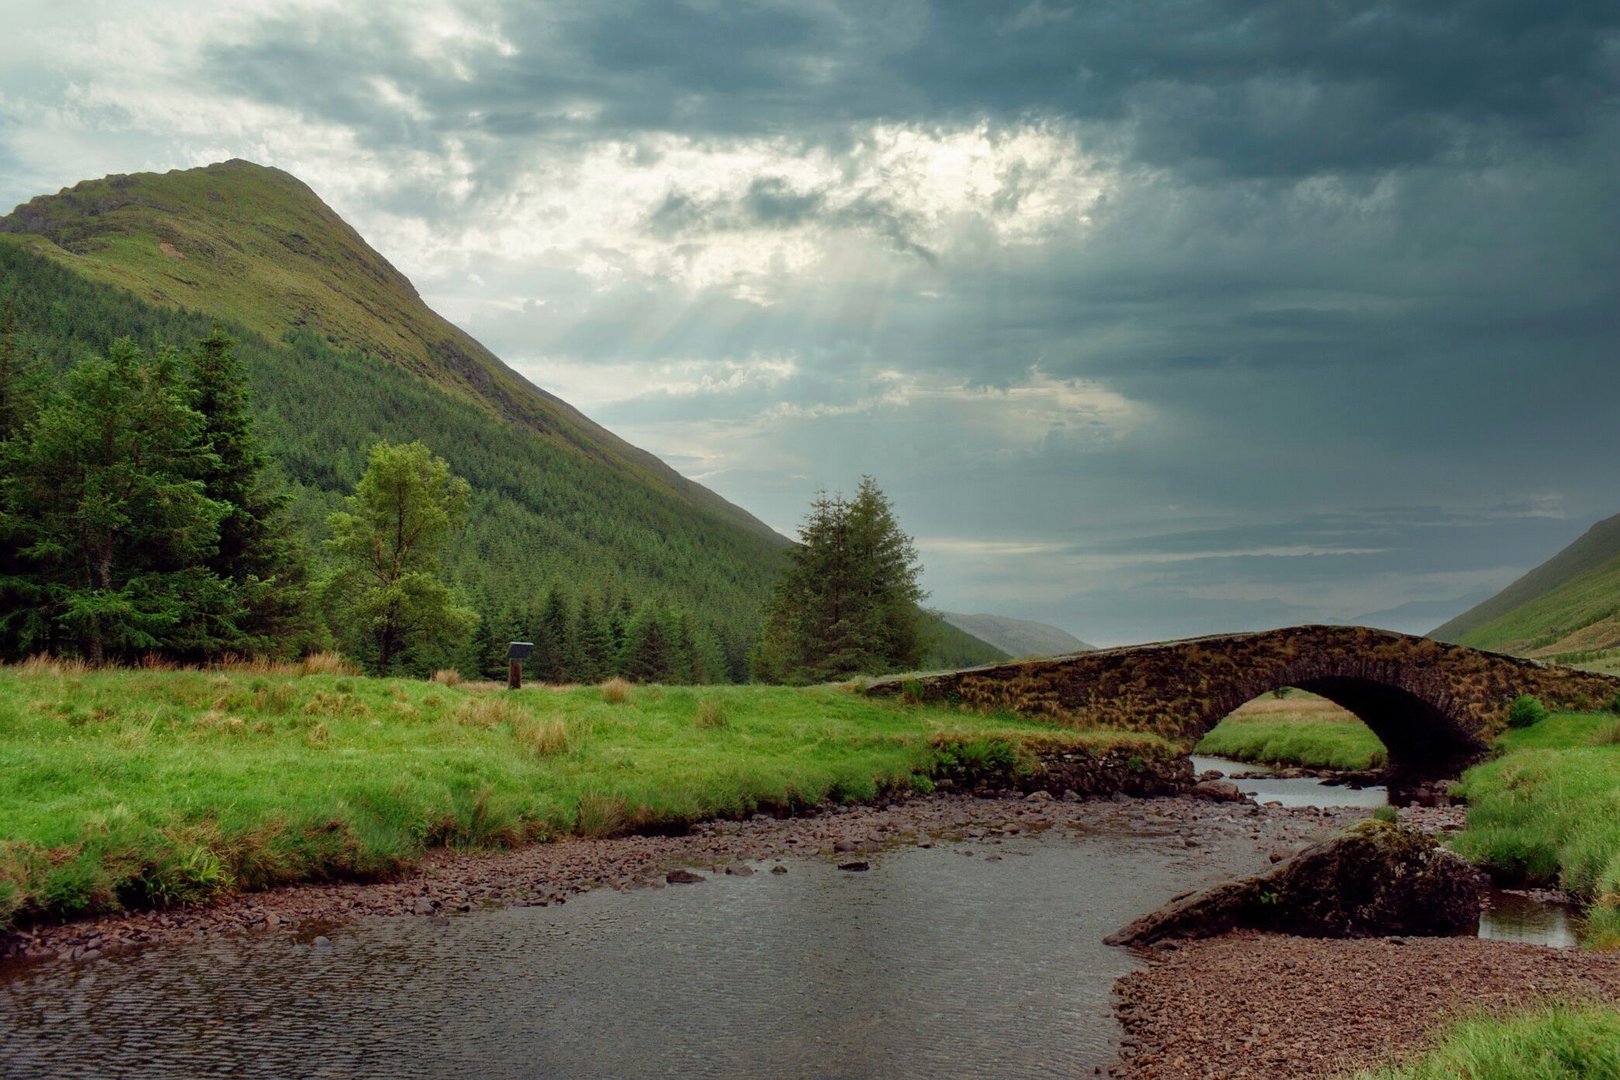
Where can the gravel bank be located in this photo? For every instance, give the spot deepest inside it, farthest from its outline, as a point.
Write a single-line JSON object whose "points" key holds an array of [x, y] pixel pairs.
{"points": [[1266, 1006], [1218, 840]]}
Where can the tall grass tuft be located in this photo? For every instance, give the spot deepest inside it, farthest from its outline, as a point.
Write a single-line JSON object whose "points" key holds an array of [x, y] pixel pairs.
{"points": [[1555, 1042], [616, 691], [484, 712], [712, 713], [600, 815], [327, 663], [541, 736], [447, 677], [45, 664]]}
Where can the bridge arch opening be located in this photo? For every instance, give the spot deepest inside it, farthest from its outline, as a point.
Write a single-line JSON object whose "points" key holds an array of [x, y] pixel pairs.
{"points": [[1422, 742], [1290, 726]]}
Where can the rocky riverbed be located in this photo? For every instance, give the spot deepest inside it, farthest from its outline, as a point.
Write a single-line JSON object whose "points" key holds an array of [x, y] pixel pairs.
{"points": [[447, 881], [1249, 1006], [1244, 1005]]}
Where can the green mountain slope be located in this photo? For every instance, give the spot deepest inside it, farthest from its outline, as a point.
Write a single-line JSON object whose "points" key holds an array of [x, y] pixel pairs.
{"points": [[1017, 637], [1570, 604], [341, 352], [257, 245]]}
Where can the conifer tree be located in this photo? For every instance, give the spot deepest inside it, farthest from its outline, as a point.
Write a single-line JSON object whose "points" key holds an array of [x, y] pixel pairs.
{"points": [[593, 643], [255, 553], [553, 640], [649, 652], [118, 528], [847, 602], [23, 625]]}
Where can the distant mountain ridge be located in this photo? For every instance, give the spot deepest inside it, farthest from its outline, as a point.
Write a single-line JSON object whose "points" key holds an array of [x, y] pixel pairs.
{"points": [[1017, 637], [1568, 604]]}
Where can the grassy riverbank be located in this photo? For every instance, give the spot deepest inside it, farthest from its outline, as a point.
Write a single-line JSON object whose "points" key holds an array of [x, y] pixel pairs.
{"points": [[1548, 811], [1552, 1043], [132, 789], [1299, 729]]}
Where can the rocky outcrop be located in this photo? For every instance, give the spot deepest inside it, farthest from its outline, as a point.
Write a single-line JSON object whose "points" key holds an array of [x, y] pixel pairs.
{"points": [[1146, 770], [1375, 879]]}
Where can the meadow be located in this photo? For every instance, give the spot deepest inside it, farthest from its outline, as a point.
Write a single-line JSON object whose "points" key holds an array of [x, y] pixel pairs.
{"points": [[148, 788], [1296, 729]]}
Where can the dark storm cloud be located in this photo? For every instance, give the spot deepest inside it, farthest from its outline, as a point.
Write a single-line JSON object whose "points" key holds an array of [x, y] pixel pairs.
{"points": [[1244, 89], [772, 203], [1350, 255]]}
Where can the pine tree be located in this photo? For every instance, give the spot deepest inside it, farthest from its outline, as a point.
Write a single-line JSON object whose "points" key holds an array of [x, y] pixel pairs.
{"points": [[383, 594], [649, 652], [553, 660], [593, 643], [23, 624], [847, 602], [118, 530], [255, 554]]}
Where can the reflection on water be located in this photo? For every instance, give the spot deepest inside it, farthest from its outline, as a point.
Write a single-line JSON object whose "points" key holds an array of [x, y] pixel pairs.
{"points": [[933, 963], [1303, 791], [1516, 916]]}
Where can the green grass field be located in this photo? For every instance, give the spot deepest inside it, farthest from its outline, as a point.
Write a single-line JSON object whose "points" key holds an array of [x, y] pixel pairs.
{"points": [[1548, 810], [1556, 1042], [132, 789], [1299, 729]]}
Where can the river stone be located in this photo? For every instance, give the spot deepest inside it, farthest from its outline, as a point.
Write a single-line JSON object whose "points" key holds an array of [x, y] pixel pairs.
{"points": [[1219, 790], [1375, 879], [683, 877]]}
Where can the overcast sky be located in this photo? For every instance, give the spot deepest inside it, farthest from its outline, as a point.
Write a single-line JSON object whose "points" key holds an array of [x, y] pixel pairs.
{"points": [[1152, 318]]}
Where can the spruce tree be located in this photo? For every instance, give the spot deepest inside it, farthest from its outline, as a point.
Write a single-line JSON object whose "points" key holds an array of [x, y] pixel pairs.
{"points": [[255, 553], [118, 528], [553, 660], [847, 602], [23, 624], [593, 643], [649, 652]]}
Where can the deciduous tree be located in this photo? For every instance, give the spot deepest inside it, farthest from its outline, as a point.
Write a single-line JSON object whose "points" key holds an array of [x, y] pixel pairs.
{"points": [[383, 594]]}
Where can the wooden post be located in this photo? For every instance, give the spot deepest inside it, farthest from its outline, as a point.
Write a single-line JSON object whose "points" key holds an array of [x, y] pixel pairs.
{"points": [[516, 653]]}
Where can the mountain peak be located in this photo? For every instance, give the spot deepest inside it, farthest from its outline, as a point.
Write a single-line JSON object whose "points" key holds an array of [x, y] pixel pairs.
{"points": [[258, 243]]}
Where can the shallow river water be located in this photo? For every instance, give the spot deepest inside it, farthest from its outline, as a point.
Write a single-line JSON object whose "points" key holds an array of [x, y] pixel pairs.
{"points": [[976, 957], [931, 963]]}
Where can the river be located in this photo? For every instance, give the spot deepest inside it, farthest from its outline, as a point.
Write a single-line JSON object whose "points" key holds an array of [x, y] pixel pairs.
{"points": [[976, 955]]}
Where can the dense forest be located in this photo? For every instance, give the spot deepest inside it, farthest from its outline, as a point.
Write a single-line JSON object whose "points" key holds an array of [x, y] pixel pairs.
{"points": [[608, 575]]}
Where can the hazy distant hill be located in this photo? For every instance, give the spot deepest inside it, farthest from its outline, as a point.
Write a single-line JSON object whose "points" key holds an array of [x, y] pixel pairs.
{"points": [[1017, 637], [1568, 604], [1416, 616]]}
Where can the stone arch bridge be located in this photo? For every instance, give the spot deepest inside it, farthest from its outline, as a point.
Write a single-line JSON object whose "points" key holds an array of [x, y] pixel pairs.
{"points": [[1436, 707]]}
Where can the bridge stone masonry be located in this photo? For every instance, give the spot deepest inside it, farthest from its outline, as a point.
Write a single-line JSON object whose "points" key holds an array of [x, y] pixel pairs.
{"points": [[1436, 707]]}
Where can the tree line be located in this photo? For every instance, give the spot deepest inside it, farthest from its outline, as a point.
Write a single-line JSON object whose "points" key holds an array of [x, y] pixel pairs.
{"points": [[138, 517], [201, 519]]}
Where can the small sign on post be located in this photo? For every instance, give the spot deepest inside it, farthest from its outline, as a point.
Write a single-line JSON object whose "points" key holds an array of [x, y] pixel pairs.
{"points": [[516, 653]]}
